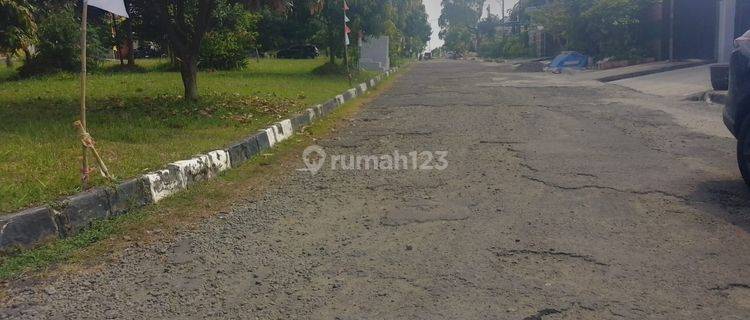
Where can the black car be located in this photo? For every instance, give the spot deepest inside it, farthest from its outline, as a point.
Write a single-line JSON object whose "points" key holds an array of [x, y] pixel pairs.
{"points": [[299, 52], [737, 110], [149, 50]]}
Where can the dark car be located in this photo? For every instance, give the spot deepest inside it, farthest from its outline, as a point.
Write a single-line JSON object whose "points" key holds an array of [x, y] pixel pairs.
{"points": [[299, 52], [149, 50], [737, 110]]}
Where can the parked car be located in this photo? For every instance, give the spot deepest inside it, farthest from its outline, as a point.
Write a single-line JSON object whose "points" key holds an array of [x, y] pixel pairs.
{"points": [[299, 52], [737, 109], [148, 50]]}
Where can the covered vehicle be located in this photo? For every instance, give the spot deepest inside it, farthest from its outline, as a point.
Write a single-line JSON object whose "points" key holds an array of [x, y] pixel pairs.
{"points": [[299, 52], [737, 109], [569, 60]]}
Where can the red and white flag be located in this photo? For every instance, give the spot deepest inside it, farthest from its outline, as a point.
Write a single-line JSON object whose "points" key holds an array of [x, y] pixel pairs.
{"points": [[115, 6], [347, 31]]}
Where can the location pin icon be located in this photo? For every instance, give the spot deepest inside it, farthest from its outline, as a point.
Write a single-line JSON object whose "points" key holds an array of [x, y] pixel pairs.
{"points": [[314, 157]]}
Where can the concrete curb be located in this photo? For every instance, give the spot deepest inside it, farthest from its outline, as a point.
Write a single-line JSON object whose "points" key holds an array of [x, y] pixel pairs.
{"points": [[36, 226]]}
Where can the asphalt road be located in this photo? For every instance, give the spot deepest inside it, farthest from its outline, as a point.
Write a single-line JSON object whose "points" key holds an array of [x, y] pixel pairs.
{"points": [[561, 200]]}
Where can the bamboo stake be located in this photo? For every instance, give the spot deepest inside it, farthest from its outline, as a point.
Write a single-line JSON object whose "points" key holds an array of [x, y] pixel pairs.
{"points": [[85, 160]]}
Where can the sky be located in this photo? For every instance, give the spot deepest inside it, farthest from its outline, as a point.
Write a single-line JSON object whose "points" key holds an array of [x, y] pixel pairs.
{"points": [[433, 9]]}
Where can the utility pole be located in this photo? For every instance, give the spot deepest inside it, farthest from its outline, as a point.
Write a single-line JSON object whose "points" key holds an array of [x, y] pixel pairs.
{"points": [[502, 13]]}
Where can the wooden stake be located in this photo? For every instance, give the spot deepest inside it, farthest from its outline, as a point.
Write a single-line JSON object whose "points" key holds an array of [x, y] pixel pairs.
{"points": [[85, 160]]}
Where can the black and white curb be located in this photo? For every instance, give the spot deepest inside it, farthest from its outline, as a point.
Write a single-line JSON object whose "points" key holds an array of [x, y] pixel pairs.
{"points": [[32, 227]]}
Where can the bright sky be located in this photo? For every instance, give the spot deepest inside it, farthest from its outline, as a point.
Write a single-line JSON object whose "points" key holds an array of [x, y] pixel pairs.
{"points": [[433, 9]]}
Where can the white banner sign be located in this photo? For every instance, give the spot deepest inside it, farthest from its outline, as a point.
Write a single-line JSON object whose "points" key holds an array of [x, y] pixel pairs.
{"points": [[115, 6]]}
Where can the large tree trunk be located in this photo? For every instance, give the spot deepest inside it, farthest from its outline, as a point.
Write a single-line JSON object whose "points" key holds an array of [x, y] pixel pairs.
{"points": [[26, 53], [189, 71], [129, 42], [331, 48]]}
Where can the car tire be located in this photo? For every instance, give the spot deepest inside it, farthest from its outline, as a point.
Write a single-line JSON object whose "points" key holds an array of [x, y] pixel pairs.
{"points": [[720, 77], [743, 150]]}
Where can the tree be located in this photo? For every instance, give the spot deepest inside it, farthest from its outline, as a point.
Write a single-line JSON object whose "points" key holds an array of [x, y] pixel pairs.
{"points": [[601, 28], [458, 21], [186, 23], [17, 27]]}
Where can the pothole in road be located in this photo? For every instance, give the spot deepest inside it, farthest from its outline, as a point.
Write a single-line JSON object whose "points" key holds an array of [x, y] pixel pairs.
{"points": [[423, 212]]}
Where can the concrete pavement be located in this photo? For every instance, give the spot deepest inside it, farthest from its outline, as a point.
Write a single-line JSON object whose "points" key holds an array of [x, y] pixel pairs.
{"points": [[561, 201], [678, 83]]}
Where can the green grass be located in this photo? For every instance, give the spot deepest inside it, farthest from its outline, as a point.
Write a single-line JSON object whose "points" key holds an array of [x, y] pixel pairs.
{"points": [[138, 120], [177, 212]]}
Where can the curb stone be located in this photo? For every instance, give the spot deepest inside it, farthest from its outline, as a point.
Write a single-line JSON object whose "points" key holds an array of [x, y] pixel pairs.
{"points": [[28, 228], [350, 94], [80, 211], [35, 226], [129, 195]]}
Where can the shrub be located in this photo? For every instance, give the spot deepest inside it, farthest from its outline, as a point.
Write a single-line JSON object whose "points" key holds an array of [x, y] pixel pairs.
{"points": [[229, 44], [491, 48], [59, 47]]}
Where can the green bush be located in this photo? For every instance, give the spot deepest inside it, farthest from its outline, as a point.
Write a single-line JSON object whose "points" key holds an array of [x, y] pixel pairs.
{"points": [[515, 47], [229, 44], [506, 47], [491, 48], [59, 47]]}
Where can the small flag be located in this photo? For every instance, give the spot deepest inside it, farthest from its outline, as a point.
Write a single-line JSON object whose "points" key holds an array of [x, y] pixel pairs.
{"points": [[115, 6]]}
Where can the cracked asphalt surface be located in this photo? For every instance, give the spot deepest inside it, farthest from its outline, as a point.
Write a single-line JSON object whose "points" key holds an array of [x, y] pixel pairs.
{"points": [[563, 200]]}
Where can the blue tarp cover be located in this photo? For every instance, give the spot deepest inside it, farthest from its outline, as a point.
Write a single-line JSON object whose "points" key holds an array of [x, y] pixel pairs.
{"points": [[570, 60]]}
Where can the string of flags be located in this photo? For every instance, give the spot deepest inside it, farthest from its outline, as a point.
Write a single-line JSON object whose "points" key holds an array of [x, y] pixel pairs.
{"points": [[347, 31]]}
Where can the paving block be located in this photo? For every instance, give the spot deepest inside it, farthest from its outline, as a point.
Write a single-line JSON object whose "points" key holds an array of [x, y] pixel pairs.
{"points": [[303, 119], [318, 111], [311, 114], [80, 211], [330, 105], [193, 170], [219, 162], [243, 151], [283, 130], [264, 140], [271, 136], [237, 154], [340, 100], [129, 195], [27, 229], [164, 183], [350, 94]]}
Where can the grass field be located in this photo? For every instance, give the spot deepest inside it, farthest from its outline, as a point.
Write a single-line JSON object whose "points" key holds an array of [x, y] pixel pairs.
{"points": [[139, 120]]}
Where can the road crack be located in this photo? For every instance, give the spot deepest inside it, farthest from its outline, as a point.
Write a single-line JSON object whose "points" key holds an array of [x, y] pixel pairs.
{"points": [[589, 259], [544, 312], [598, 187]]}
